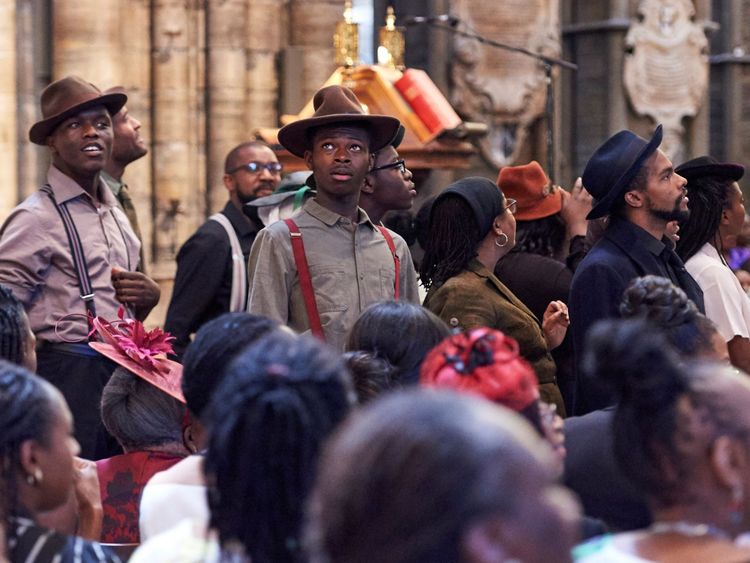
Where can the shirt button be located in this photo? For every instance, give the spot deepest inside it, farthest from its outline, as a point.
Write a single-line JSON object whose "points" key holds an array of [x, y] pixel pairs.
{"points": [[361, 276]]}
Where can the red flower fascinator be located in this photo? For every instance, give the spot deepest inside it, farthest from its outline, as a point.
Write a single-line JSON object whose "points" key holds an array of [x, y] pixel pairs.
{"points": [[140, 351], [485, 362]]}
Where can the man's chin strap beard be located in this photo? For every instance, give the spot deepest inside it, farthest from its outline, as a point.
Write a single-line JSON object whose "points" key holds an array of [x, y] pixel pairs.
{"points": [[672, 215]]}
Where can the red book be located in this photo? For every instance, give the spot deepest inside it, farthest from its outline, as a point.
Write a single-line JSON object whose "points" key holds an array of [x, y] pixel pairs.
{"points": [[427, 101]]}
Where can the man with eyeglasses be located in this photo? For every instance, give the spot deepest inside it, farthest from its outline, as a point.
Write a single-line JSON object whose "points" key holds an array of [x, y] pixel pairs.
{"points": [[211, 274], [388, 185]]}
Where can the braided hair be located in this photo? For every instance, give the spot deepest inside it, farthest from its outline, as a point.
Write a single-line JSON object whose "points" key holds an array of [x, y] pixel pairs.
{"points": [[279, 401], [669, 309], [26, 413], [454, 237], [12, 327], [709, 196], [212, 350]]}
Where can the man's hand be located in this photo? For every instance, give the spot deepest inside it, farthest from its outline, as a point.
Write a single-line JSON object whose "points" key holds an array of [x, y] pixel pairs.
{"points": [[136, 290], [575, 207]]}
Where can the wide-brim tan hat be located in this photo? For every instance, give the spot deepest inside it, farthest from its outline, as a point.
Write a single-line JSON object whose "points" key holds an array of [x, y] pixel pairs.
{"points": [[337, 105], [67, 97]]}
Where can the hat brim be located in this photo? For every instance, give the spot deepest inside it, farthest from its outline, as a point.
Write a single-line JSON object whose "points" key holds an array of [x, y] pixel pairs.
{"points": [[548, 206], [603, 206], [727, 170], [294, 136], [169, 381], [42, 129]]}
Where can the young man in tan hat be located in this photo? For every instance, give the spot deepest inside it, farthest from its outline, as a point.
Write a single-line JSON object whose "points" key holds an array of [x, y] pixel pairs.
{"points": [[319, 271], [68, 252]]}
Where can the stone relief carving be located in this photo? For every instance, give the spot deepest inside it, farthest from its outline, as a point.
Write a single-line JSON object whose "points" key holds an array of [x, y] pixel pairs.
{"points": [[666, 68], [505, 90]]}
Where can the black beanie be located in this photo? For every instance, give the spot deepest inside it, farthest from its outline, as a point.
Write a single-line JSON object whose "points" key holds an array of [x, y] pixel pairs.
{"points": [[483, 196]]}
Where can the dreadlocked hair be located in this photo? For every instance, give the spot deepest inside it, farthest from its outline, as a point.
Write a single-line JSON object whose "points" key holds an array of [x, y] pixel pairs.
{"points": [[279, 401], [543, 236], [12, 327], [25, 414], [453, 240], [709, 196]]}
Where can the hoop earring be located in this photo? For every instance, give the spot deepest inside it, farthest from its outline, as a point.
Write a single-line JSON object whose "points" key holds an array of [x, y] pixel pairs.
{"points": [[497, 238]]}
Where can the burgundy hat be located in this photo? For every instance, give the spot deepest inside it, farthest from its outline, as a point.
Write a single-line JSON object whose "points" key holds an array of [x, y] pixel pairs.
{"points": [[143, 353], [532, 189], [67, 97], [337, 105]]}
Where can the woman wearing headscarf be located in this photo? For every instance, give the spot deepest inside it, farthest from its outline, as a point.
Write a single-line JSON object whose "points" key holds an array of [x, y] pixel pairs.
{"points": [[471, 228]]}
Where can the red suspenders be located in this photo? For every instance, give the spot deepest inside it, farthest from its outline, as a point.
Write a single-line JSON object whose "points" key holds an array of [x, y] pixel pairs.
{"points": [[305, 282]]}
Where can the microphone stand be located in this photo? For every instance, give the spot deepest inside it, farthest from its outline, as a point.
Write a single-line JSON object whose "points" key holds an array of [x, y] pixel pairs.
{"points": [[547, 62]]}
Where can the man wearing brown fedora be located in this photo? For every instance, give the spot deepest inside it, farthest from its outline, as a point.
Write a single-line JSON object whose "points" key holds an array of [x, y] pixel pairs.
{"points": [[69, 253], [318, 271], [634, 183]]}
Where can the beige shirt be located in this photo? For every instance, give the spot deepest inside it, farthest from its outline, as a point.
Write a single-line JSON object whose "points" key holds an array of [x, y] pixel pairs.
{"points": [[36, 262], [350, 264]]}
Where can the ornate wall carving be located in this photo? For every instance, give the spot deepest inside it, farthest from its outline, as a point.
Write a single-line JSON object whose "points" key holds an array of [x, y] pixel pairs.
{"points": [[666, 68], [505, 90]]}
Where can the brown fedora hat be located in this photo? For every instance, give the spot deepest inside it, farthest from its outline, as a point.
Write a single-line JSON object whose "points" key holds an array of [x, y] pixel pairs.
{"points": [[67, 97], [336, 105]]}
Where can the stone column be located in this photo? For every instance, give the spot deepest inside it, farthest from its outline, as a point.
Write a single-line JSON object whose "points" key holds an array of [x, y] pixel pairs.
{"points": [[311, 25], [87, 40], [263, 45], [8, 99], [225, 89], [178, 127], [135, 77]]}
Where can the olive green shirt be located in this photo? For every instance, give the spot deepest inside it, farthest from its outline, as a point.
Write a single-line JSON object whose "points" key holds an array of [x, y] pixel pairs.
{"points": [[351, 268]]}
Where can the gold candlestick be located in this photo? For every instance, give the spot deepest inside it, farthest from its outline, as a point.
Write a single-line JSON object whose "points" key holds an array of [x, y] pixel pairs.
{"points": [[346, 39], [391, 45]]}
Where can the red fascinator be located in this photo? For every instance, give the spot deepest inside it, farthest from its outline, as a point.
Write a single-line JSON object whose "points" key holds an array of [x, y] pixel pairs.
{"points": [[140, 351], [485, 362]]}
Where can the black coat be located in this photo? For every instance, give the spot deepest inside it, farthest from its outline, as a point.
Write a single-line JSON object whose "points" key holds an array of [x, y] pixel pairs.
{"points": [[624, 252]]}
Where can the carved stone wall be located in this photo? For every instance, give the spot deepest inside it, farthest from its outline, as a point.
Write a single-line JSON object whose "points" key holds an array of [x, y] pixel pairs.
{"points": [[595, 101], [505, 90]]}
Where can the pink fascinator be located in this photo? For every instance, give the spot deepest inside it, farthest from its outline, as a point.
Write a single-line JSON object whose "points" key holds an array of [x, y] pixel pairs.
{"points": [[140, 351]]}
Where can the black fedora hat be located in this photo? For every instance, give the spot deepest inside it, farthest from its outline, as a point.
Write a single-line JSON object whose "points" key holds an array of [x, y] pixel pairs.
{"points": [[708, 166], [67, 97], [611, 169], [337, 105]]}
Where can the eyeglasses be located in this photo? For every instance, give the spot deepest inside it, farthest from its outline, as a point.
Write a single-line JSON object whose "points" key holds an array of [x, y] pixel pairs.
{"points": [[400, 164], [511, 205], [256, 167]]}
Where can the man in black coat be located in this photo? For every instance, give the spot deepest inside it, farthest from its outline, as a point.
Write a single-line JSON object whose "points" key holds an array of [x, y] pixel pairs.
{"points": [[634, 183]]}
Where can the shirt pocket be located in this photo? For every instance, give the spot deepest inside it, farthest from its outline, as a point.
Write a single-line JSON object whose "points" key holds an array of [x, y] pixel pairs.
{"points": [[387, 283], [330, 287]]}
